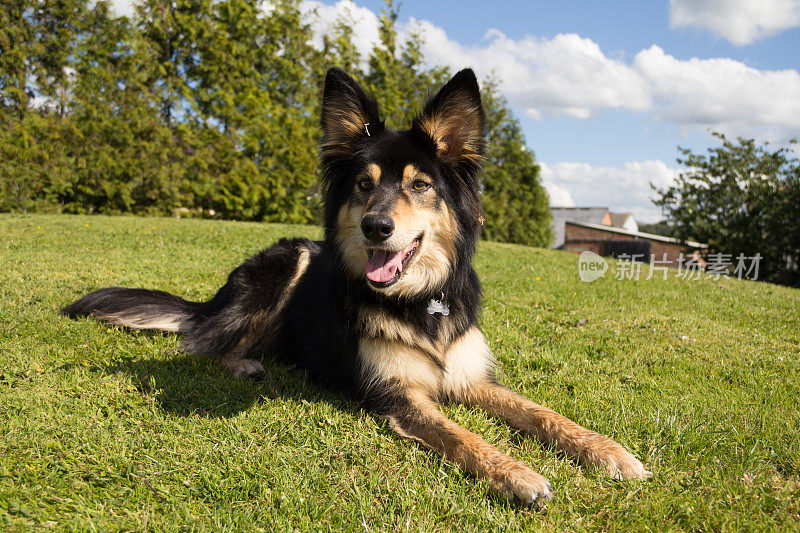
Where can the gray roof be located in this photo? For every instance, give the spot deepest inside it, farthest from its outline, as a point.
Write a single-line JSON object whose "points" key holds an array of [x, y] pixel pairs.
{"points": [[586, 215]]}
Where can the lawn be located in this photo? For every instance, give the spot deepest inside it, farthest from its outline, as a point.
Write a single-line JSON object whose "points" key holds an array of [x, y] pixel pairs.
{"points": [[108, 430]]}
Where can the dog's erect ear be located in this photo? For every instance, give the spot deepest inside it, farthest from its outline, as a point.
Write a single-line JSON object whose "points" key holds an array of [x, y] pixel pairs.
{"points": [[348, 115], [453, 120]]}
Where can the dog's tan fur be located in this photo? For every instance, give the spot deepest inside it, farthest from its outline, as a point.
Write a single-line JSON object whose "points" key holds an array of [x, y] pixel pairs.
{"points": [[455, 129], [343, 122], [168, 324], [462, 372], [412, 216], [556, 430], [424, 422]]}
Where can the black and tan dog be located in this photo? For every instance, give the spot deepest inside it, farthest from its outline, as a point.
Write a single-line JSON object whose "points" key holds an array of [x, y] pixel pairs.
{"points": [[387, 305]]}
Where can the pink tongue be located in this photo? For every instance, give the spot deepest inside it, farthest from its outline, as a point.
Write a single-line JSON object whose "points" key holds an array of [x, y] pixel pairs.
{"points": [[382, 265]]}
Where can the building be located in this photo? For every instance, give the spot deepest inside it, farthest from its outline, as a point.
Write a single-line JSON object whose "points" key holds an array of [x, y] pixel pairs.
{"points": [[588, 215], [620, 242]]}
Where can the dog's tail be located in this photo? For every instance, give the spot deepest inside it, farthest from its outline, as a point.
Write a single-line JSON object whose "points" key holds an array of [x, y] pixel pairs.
{"points": [[137, 309]]}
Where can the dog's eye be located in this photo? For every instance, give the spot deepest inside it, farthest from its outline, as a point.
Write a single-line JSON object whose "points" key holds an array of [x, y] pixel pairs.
{"points": [[365, 184], [420, 185]]}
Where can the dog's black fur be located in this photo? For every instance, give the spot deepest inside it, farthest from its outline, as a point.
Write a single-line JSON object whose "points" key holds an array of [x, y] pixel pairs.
{"points": [[313, 305]]}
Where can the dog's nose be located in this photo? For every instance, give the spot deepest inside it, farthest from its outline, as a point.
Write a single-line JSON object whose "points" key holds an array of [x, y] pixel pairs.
{"points": [[377, 228]]}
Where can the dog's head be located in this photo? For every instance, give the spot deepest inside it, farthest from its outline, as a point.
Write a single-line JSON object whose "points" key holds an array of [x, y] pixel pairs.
{"points": [[402, 208]]}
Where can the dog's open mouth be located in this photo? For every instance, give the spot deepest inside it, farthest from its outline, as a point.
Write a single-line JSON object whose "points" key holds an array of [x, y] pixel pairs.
{"points": [[385, 267]]}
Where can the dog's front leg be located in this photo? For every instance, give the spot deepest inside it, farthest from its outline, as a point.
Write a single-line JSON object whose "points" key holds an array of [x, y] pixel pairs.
{"points": [[551, 428], [418, 417]]}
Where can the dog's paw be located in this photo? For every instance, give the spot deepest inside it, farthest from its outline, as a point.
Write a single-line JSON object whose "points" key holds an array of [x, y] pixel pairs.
{"points": [[620, 464], [245, 368], [525, 485]]}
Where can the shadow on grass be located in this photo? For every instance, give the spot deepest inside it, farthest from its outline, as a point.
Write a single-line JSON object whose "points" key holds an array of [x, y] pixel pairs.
{"points": [[188, 385], [195, 385]]}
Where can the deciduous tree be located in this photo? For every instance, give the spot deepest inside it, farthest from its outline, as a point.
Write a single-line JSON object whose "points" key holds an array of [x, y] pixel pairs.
{"points": [[740, 198]]}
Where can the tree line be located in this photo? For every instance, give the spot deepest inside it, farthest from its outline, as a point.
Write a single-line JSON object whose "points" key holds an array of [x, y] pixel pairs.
{"points": [[211, 107]]}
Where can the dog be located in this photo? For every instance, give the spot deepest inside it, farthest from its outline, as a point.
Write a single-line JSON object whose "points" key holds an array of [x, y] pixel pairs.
{"points": [[386, 306]]}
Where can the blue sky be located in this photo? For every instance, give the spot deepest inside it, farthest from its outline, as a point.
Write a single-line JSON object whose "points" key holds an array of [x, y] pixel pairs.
{"points": [[606, 90]]}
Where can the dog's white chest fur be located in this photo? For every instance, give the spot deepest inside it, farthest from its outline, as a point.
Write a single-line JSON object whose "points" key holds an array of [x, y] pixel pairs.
{"points": [[466, 361]]}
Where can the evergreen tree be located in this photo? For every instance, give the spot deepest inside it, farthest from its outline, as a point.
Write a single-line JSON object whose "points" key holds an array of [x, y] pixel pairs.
{"points": [[36, 161], [383, 76], [252, 81], [37, 40], [18, 47], [291, 76], [126, 160], [162, 25], [36, 45], [56, 25], [515, 203], [339, 48], [399, 80]]}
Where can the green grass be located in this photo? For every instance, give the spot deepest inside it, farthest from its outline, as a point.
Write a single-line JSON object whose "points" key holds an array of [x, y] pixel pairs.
{"points": [[108, 430]]}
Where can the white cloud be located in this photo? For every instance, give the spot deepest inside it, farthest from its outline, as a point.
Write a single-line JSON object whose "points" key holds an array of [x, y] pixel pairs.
{"points": [[122, 7], [741, 22], [323, 19], [623, 189], [720, 93], [567, 74], [570, 75], [559, 196]]}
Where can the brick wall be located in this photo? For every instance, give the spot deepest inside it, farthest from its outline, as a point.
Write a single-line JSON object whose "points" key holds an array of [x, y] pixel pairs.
{"points": [[578, 238]]}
